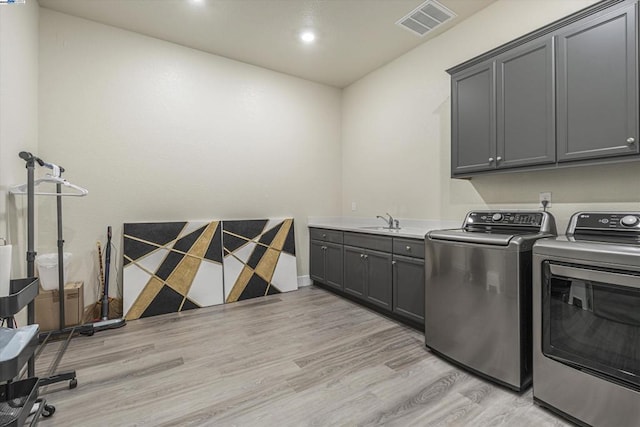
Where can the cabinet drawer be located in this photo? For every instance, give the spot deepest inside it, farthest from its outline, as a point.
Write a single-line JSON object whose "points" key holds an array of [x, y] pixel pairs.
{"points": [[367, 241], [325, 235], [408, 247]]}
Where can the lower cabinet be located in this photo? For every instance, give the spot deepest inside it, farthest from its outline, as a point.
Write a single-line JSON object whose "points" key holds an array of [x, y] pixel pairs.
{"points": [[326, 263], [408, 287], [367, 275], [354, 271], [325, 257], [385, 272]]}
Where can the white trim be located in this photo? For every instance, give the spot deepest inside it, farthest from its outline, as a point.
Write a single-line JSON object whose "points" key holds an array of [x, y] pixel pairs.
{"points": [[304, 281]]}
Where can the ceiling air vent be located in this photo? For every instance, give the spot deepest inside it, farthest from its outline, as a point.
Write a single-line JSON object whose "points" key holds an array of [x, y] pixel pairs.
{"points": [[426, 17]]}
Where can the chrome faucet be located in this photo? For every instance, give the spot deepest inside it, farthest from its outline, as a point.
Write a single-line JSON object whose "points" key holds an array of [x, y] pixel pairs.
{"points": [[393, 224]]}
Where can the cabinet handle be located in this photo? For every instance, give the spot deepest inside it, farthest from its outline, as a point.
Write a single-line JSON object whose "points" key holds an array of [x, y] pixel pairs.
{"points": [[631, 140], [324, 248], [324, 235], [393, 262], [408, 248], [490, 159], [366, 256], [498, 158], [361, 255]]}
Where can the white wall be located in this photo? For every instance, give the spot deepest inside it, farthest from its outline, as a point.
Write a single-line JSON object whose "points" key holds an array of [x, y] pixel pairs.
{"points": [[18, 118], [18, 122], [156, 131], [159, 132], [396, 133]]}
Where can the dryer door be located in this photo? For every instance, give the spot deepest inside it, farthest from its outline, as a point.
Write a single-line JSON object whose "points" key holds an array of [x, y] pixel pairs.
{"points": [[591, 320]]}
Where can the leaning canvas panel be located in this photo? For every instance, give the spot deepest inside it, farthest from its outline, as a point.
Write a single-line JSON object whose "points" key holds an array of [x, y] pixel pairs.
{"points": [[171, 267], [259, 258]]}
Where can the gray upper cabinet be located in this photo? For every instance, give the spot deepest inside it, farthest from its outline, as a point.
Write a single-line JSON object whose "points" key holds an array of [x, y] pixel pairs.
{"points": [[567, 92], [526, 105], [473, 131], [597, 87], [503, 111]]}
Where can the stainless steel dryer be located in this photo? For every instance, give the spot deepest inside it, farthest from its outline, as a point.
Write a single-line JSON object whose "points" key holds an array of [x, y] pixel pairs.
{"points": [[586, 317], [478, 293]]}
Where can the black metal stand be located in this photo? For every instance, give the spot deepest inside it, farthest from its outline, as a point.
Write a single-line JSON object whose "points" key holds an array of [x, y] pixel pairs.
{"points": [[62, 329], [31, 255]]}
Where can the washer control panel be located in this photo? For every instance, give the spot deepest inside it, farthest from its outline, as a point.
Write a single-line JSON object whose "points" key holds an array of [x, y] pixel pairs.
{"points": [[505, 218], [606, 221]]}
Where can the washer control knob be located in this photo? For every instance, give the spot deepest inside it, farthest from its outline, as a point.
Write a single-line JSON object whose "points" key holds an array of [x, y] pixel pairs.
{"points": [[497, 217], [629, 220]]}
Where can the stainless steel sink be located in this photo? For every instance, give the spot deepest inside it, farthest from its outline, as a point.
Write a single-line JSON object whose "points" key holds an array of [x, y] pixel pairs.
{"points": [[375, 227]]}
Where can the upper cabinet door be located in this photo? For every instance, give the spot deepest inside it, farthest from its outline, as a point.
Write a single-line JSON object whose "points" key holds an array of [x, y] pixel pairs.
{"points": [[597, 87], [526, 133], [473, 132]]}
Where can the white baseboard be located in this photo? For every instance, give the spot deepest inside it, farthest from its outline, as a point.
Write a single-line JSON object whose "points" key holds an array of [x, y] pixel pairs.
{"points": [[304, 281]]}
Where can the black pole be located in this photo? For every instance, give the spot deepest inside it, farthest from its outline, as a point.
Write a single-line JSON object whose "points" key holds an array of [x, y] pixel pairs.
{"points": [[31, 254], [60, 258], [107, 262]]}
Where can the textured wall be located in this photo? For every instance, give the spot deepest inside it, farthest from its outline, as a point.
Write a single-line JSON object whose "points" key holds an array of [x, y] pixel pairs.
{"points": [[396, 133], [18, 117], [159, 132]]}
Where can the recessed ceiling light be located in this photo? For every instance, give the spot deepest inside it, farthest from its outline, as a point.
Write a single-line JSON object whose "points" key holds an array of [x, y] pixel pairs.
{"points": [[307, 37], [197, 1]]}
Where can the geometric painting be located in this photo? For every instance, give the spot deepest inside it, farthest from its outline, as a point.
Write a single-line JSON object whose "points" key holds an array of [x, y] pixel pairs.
{"points": [[259, 258], [171, 267]]}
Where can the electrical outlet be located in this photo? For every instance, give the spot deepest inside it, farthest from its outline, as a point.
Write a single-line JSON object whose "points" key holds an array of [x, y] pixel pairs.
{"points": [[545, 196], [354, 207]]}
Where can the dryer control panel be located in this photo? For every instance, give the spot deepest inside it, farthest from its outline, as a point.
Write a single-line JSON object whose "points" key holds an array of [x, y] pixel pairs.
{"points": [[604, 222]]}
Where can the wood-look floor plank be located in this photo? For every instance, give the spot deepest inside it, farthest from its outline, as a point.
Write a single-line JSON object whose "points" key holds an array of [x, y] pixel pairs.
{"points": [[303, 358]]}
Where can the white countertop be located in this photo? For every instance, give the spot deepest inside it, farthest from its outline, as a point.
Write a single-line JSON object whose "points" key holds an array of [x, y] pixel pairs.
{"points": [[411, 228]]}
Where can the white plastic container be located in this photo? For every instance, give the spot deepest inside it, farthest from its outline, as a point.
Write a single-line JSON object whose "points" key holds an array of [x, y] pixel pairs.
{"points": [[48, 269], [5, 269]]}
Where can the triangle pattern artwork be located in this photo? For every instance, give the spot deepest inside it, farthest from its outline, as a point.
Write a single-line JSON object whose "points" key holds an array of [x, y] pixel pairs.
{"points": [[173, 281], [145, 238], [272, 258]]}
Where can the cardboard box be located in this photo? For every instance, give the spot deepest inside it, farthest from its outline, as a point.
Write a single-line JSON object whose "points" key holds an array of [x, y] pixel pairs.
{"points": [[48, 310]]}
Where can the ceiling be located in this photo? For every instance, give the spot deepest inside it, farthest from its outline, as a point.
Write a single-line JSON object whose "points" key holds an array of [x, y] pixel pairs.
{"points": [[353, 37]]}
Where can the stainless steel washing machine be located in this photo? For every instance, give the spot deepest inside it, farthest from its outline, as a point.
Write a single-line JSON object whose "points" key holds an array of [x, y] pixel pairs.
{"points": [[478, 293], [586, 320]]}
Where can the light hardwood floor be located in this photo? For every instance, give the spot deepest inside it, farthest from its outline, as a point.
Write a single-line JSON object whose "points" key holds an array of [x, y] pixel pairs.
{"points": [[302, 358]]}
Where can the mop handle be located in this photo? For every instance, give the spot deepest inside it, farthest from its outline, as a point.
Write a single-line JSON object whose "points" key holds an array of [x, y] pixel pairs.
{"points": [[107, 262]]}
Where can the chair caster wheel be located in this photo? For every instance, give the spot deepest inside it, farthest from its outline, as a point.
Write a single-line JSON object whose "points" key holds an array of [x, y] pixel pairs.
{"points": [[48, 410], [73, 383]]}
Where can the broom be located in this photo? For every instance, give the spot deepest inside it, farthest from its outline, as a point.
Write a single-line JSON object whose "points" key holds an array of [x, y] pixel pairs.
{"points": [[109, 307], [105, 307]]}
